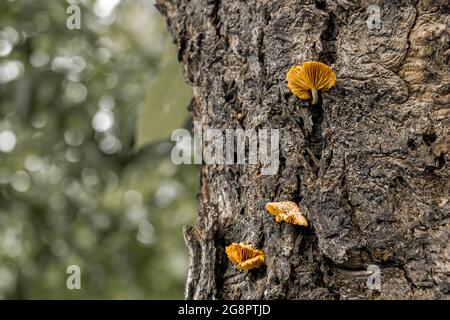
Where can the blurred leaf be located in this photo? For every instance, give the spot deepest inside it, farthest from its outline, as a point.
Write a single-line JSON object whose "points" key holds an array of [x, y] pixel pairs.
{"points": [[165, 107], [71, 194]]}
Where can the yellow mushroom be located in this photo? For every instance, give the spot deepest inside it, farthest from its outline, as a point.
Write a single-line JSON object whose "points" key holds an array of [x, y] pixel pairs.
{"points": [[287, 211], [307, 80], [245, 256]]}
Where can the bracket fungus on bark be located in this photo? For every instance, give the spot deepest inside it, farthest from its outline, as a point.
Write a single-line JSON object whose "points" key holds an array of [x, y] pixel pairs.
{"points": [[312, 77], [287, 211], [245, 256]]}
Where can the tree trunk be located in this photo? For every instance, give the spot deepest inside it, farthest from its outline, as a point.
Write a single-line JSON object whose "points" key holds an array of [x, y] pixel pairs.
{"points": [[369, 166]]}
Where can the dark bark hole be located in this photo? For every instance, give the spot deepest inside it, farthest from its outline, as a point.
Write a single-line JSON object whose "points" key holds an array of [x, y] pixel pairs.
{"points": [[321, 4], [400, 180], [328, 37], [221, 263], [317, 117], [440, 161], [429, 169], [214, 14], [429, 137], [297, 196], [182, 44], [412, 144], [258, 273], [439, 164], [230, 90], [315, 139]]}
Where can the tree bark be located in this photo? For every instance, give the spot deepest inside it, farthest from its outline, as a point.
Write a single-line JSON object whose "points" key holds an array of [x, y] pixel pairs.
{"points": [[369, 165]]}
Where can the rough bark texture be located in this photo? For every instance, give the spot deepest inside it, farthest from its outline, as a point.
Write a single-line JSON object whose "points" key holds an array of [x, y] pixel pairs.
{"points": [[369, 166]]}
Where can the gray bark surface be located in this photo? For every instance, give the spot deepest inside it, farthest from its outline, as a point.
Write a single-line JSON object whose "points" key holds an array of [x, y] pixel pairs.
{"points": [[369, 166]]}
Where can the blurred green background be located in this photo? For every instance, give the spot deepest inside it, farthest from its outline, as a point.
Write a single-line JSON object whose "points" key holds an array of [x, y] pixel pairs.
{"points": [[86, 176]]}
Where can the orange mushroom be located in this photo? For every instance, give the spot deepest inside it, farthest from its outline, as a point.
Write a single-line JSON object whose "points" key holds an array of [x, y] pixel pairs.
{"points": [[287, 211], [307, 80], [245, 256]]}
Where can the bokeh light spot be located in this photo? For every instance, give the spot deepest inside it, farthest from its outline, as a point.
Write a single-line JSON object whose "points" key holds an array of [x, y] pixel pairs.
{"points": [[103, 120], [8, 141], [21, 181]]}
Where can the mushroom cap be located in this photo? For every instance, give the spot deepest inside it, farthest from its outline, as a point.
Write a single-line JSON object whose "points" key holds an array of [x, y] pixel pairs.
{"points": [[287, 211], [245, 256], [310, 75]]}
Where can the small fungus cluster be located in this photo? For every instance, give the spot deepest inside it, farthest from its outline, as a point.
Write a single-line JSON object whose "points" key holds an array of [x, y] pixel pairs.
{"points": [[244, 255], [305, 81], [287, 211]]}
